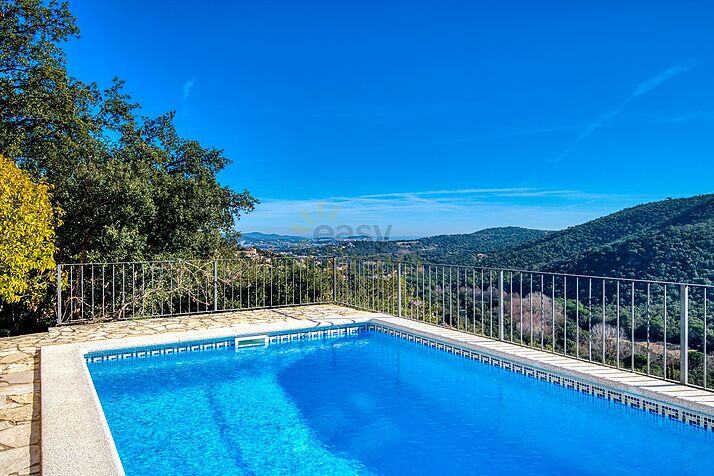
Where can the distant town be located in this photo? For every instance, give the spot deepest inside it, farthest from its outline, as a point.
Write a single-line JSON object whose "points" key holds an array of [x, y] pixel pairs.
{"points": [[293, 244]]}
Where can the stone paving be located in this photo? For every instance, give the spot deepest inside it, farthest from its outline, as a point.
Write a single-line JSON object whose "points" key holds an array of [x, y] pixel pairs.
{"points": [[20, 370]]}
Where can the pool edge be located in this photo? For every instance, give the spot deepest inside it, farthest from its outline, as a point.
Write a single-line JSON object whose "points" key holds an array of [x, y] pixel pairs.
{"points": [[75, 437]]}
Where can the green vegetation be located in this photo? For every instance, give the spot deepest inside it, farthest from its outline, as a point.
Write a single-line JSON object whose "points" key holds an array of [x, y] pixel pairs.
{"points": [[466, 249], [131, 187], [27, 224], [671, 240], [135, 290], [629, 332]]}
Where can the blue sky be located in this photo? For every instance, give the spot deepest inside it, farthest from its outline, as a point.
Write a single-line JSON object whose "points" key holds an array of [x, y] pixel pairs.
{"points": [[432, 117]]}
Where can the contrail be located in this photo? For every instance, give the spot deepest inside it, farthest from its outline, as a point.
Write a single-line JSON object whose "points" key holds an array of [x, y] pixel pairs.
{"points": [[640, 90]]}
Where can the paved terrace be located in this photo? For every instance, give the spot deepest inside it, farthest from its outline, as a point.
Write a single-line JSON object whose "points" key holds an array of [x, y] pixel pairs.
{"points": [[20, 369]]}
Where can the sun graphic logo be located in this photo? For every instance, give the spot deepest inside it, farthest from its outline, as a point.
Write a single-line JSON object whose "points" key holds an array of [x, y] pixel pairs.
{"points": [[316, 225]]}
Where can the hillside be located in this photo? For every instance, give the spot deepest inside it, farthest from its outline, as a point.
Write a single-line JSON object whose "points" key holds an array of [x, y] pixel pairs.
{"points": [[464, 248], [671, 239]]}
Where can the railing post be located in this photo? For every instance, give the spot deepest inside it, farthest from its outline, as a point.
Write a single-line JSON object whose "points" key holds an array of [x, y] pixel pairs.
{"points": [[334, 279], [59, 294], [684, 334], [399, 289], [215, 285], [500, 305]]}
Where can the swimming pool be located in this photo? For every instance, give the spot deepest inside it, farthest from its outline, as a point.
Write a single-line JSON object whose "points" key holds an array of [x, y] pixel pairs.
{"points": [[370, 403]]}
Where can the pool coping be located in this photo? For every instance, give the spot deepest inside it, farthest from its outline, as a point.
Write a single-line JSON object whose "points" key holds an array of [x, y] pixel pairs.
{"points": [[75, 437]]}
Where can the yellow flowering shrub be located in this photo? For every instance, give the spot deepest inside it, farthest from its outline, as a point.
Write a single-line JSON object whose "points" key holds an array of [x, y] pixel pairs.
{"points": [[27, 247]]}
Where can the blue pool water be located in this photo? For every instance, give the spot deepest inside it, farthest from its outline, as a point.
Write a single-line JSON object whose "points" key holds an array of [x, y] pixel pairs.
{"points": [[372, 404]]}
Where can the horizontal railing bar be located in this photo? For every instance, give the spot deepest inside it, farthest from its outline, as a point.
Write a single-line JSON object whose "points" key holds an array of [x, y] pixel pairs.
{"points": [[544, 273], [194, 313], [422, 263], [108, 263]]}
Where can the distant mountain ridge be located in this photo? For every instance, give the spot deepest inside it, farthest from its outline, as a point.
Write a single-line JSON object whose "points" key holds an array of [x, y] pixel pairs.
{"points": [[465, 248], [672, 239], [258, 236], [488, 239]]}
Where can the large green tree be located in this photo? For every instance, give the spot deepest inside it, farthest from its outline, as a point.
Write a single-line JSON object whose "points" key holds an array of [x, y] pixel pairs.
{"points": [[130, 185], [47, 118]]}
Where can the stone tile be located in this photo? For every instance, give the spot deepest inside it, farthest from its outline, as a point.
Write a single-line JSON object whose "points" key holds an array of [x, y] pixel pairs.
{"points": [[28, 376], [7, 404], [14, 357], [18, 436], [24, 399], [19, 414], [18, 389], [19, 460]]}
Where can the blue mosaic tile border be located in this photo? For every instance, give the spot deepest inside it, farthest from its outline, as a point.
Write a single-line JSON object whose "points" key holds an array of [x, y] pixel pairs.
{"points": [[216, 344], [317, 334], [693, 418], [156, 351]]}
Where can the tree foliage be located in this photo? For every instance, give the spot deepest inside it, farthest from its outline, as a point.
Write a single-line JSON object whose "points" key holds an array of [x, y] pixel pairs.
{"points": [[131, 186], [152, 194], [47, 116], [27, 222]]}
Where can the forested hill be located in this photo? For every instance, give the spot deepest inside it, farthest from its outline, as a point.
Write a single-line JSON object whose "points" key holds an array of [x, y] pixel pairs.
{"points": [[671, 239], [467, 248], [488, 240]]}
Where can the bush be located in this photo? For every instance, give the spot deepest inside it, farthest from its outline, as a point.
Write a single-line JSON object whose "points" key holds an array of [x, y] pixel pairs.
{"points": [[27, 223]]}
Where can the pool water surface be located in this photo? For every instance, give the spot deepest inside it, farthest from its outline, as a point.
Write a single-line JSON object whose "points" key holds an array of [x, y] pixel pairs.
{"points": [[372, 404]]}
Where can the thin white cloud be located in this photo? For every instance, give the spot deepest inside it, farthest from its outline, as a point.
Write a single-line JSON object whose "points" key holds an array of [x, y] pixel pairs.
{"points": [[587, 129], [653, 83], [641, 89], [449, 192], [437, 211], [513, 192], [186, 89]]}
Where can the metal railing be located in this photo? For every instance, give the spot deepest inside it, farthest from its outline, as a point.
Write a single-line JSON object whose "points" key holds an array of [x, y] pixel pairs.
{"points": [[630, 324], [88, 292]]}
